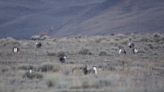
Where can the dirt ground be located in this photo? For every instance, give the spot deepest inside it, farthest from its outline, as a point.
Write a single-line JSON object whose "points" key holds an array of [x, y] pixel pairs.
{"points": [[139, 72]]}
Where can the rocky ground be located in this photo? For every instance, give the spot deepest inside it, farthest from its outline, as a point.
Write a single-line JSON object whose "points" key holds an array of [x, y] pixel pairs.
{"points": [[140, 72]]}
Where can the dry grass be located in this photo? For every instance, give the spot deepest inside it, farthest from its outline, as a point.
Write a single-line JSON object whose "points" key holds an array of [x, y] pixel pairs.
{"points": [[85, 52], [117, 73]]}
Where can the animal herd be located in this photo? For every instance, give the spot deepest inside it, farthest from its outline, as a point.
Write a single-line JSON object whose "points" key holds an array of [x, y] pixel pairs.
{"points": [[131, 46], [86, 70]]}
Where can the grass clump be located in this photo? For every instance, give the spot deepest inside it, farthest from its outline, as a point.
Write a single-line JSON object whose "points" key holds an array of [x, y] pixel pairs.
{"points": [[51, 53], [49, 67], [50, 84], [85, 52], [103, 53], [32, 75], [46, 67], [27, 67]]}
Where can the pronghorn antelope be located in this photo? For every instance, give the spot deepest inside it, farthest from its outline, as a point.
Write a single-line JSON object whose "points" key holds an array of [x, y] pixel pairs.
{"points": [[88, 70], [135, 50], [94, 70], [38, 44], [28, 74], [131, 45], [16, 50], [122, 51], [62, 58]]}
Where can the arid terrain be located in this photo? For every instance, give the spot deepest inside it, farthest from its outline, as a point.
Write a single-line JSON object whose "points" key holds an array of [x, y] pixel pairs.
{"points": [[139, 72], [23, 18]]}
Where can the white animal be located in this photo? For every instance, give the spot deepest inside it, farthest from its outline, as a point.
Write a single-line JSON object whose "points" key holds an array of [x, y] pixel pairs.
{"points": [[135, 50], [90, 70], [94, 70], [65, 57], [30, 71], [122, 51], [15, 50]]}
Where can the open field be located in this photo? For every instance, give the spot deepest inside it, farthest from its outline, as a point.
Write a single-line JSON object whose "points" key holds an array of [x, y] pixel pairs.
{"points": [[140, 72]]}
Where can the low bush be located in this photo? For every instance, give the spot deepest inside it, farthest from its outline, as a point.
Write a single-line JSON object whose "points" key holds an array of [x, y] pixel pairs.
{"points": [[103, 53], [144, 39], [104, 83], [27, 67], [50, 84], [32, 75], [85, 84], [61, 53], [46, 68], [156, 35], [85, 52], [51, 54], [150, 46]]}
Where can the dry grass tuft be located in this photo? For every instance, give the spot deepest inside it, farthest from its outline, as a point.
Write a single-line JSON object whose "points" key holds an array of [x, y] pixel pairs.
{"points": [[85, 52]]}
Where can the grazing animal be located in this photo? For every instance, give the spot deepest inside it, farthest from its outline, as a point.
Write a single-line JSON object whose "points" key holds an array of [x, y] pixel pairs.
{"points": [[16, 50], [63, 58], [29, 74], [122, 51], [30, 71], [94, 69], [131, 45], [38, 44], [87, 70], [135, 50]]}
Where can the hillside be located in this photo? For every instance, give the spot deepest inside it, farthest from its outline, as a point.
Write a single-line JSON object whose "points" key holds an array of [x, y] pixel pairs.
{"points": [[22, 18]]}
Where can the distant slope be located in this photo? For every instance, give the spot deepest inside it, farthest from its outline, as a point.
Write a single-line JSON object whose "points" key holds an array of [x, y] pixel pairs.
{"points": [[124, 16], [23, 18]]}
